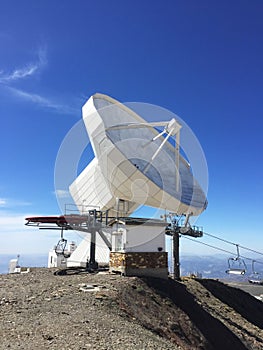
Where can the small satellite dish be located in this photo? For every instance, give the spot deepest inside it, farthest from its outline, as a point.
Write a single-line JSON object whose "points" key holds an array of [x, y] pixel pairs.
{"points": [[137, 161]]}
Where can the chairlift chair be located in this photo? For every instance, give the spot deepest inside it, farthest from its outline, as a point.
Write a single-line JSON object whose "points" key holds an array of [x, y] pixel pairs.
{"points": [[255, 276], [61, 246], [236, 265]]}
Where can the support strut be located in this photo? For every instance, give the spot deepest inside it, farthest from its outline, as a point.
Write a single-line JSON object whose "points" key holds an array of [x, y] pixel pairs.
{"points": [[92, 263], [176, 257]]}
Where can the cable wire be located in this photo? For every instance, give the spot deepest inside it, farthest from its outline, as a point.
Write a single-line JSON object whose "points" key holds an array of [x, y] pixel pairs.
{"points": [[221, 249], [229, 242]]}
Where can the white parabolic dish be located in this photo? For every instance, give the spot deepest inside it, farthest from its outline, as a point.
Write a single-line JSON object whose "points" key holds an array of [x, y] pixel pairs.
{"points": [[133, 162]]}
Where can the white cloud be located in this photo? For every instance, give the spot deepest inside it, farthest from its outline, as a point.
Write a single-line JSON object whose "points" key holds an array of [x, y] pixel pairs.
{"points": [[31, 97], [43, 101], [42, 56], [26, 71], [11, 222], [2, 202], [7, 81], [9, 203], [20, 73], [16, 237]]}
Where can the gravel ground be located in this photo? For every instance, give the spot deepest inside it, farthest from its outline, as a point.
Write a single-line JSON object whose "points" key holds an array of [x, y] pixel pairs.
{"points": [[45, 309], [42, 311]]}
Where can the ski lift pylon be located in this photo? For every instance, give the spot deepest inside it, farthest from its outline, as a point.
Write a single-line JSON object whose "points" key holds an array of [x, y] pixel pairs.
{"points": [[236, 265]]}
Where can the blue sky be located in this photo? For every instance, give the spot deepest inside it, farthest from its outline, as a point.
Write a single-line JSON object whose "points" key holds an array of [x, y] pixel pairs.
{"points": [[200, 59]]}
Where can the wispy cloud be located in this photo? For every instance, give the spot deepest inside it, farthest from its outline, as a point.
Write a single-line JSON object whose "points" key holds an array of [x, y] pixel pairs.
{"points": [[26, 71], [20, 73], [2, 202], [7, 203], [17, 238], [8, 80], [8, 221], [43, 101]]}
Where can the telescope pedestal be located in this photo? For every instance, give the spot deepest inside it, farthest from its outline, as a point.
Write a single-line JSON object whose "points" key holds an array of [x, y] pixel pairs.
{"points": [[154, 264]]}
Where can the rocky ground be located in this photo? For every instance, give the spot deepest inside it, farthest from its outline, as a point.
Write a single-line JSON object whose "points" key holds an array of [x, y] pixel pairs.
{"points": [[46, 309]]}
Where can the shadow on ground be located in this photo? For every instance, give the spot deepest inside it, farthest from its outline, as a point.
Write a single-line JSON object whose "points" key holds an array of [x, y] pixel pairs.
{"points": [[217, 335], [246, 305]]}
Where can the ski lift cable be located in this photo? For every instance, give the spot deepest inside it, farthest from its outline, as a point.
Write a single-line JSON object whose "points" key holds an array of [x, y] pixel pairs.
{"points": [[208, 245], [226, 241], [221, 249]]}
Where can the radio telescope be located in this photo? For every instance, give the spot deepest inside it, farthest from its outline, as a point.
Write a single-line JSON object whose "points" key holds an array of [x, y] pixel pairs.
{"points": [[136, 161]]}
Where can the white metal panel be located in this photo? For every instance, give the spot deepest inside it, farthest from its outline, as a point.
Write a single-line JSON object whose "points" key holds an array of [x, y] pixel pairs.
{"points": [[81, 254], [144, 238]]}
